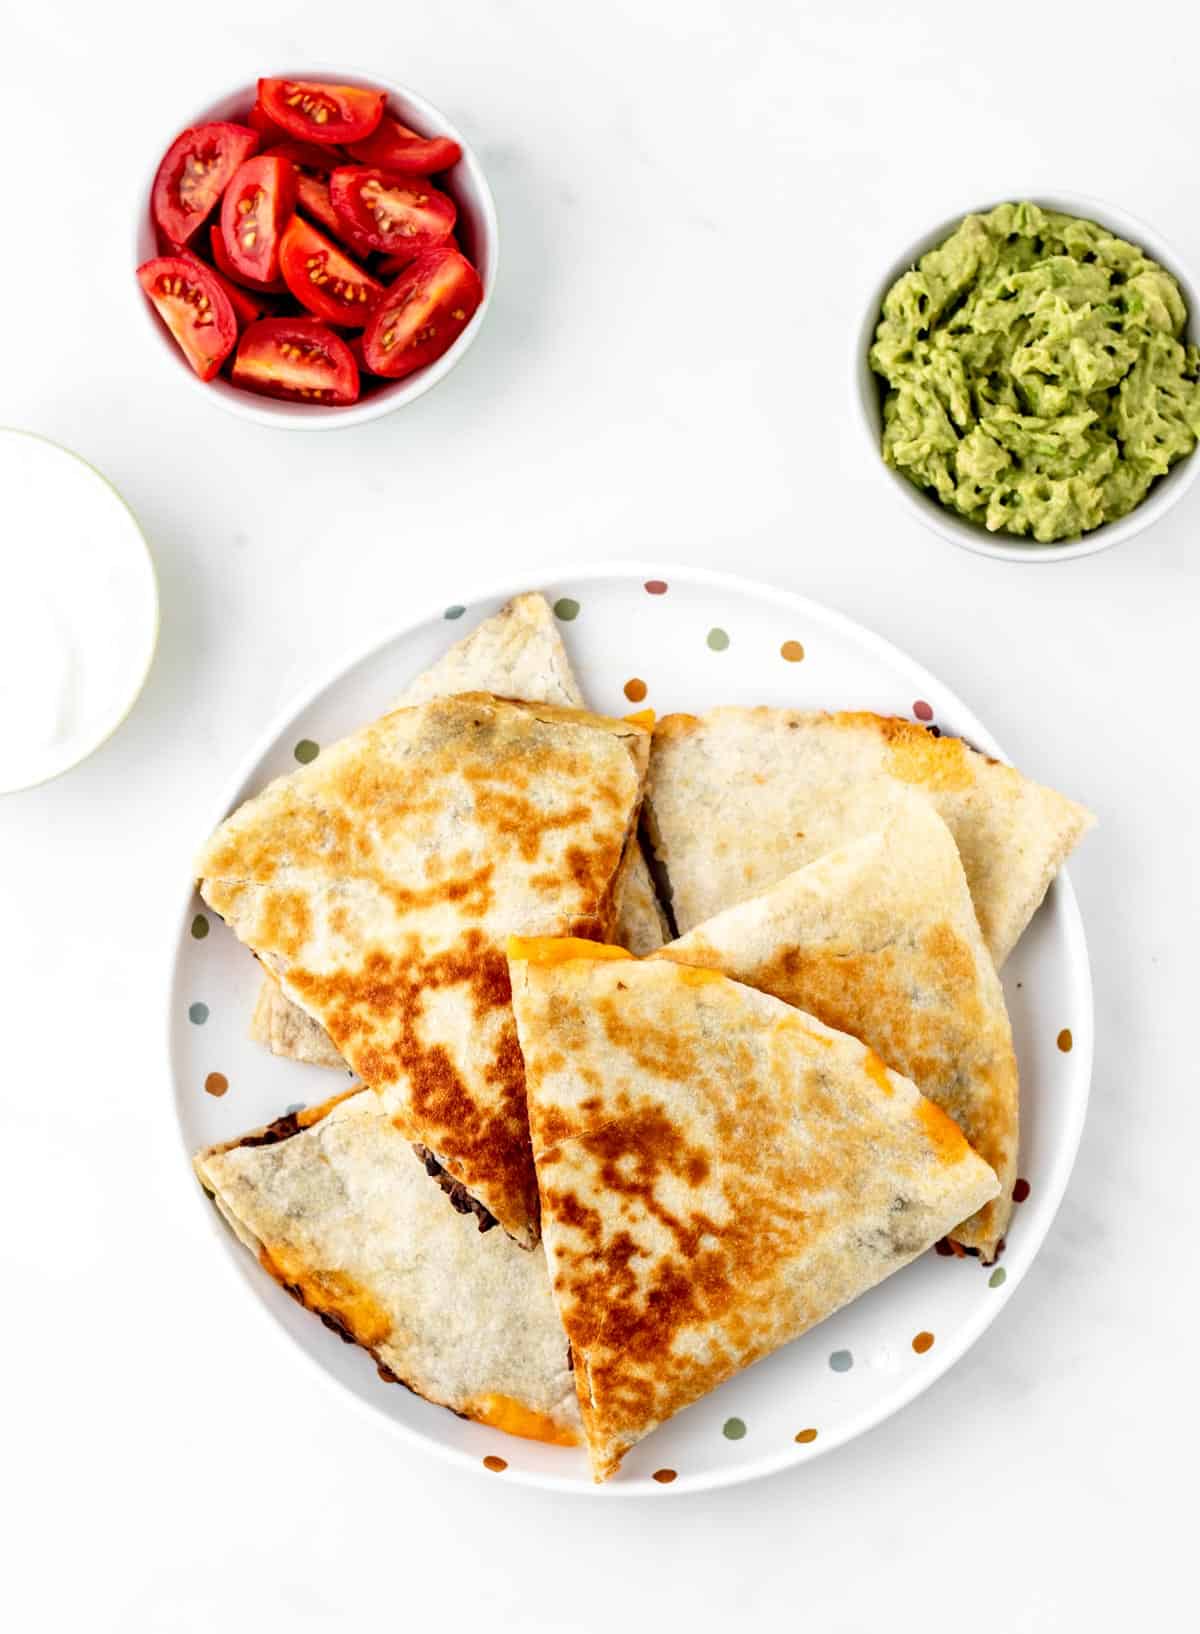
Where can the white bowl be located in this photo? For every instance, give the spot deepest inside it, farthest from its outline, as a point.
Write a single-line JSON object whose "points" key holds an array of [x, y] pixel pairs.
{"points": [[87, 628], [477, 231], [868, 392]]}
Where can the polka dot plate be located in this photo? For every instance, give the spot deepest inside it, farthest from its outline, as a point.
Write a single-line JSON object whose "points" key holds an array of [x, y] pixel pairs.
{"points": [[669, 639]]}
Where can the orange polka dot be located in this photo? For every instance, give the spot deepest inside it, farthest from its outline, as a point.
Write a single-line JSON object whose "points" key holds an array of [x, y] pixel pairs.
{"points": [[922, 1342], [665, 1476], [806, 1435], [792, 651], [216, 1083], [1065, 1040], [495, 1464], [635, 690]]}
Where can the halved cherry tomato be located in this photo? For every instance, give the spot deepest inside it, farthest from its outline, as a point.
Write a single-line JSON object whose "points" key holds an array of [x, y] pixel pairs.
{"points": [[194, 173], [260, 120], [245, 308], [190, 301], [296, 358], [422, 313], [393, 264], [392, 213], [392, 146], [312, 167], [324, 279], [257, 206], [216, 243], [318, 161], [321, 113]]}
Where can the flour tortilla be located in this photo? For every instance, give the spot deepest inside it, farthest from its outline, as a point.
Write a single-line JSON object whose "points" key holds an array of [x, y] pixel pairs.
{"points": [[378, 885], [334, 1205], [879, 939], [285, 1029], [740, 797], [719, 1172], [517, 653]]}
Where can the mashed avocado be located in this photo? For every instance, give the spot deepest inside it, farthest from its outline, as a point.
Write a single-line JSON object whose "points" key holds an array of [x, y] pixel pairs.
{"points": [[1038, 379]]}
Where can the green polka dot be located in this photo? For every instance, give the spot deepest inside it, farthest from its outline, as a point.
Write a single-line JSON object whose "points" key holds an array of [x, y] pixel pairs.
{"points": [[198, 1014], [998, 1276], [566, 609], [718, 640], [733, 1429], [306, 750], [841, 1361], [454, 612], [199, 927]]}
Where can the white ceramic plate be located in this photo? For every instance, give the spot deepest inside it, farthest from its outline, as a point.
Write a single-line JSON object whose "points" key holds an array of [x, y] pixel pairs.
{"points": [[695, 639]]}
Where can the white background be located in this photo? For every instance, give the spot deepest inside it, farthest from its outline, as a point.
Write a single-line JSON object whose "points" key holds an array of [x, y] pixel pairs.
{"points": [[693, 198]]}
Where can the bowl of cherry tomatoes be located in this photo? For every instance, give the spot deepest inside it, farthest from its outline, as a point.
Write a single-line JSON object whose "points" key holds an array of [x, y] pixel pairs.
{"points": [[316, 250]]}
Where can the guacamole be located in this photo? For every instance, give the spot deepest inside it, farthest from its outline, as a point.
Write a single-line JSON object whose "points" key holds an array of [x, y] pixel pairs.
{"points": [[1038, 378]]}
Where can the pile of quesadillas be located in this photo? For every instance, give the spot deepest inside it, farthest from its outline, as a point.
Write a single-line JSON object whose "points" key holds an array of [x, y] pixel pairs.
{"points": [[667, 1040]]}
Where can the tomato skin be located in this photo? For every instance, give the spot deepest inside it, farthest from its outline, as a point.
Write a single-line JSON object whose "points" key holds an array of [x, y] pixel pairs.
{"points": [[422, 314], [245, 308], [220, 255], [193, 173], [260, 120], [395, 214], [392, 265], [319, 161], [324, 279], [321, 113], [392, 146], [312, 196], [297, 359], [256, 207], [191, 302]]}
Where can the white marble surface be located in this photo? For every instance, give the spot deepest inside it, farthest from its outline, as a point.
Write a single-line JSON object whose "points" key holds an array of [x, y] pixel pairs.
{"points": [[692, 197]]}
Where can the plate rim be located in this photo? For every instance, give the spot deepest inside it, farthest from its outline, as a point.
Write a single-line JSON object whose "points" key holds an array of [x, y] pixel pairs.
{"points": [[1051, 1191]]}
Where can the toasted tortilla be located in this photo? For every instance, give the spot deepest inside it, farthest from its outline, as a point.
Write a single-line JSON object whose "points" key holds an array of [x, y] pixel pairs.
{"points": [[718, 1172], [879, 939], [740, 797], [378, 884], [333, 1204], [517, 653], [285, 1029]]}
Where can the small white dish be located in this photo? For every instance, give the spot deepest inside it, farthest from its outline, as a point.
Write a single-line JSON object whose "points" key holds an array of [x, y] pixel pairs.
{"points": [[79, 616], [1166, 492], [477, 231], [693, 639]]}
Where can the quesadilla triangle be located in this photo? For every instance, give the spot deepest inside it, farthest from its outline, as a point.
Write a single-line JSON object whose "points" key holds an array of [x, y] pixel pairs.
{"points": [[516, 653], [879, 939], [286, 1030], [334, 1206], [378, 884], [718, 1173], [740, 797]]}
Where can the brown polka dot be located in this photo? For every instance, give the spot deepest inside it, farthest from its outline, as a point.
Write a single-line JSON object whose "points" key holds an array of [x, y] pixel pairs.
{"points": [[806, 1435], [1020, 1191], [497, 1465], [664, 1476], [216, 1083], [922, 710], [635, 690], [1065, 1040], [656, 587], [922, 1342], [792, 651]]}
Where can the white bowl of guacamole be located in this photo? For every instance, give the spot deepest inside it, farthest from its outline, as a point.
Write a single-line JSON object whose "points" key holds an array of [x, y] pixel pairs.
{"points": [[1030, 376]]}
